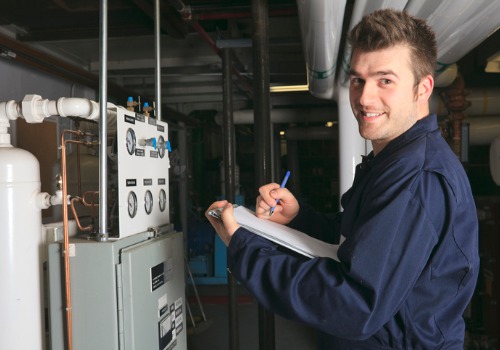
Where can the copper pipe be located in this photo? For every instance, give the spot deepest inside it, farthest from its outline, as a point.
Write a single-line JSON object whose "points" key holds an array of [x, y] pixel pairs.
{"points": [[67, 269], [455, 102], [75, 215], [67, 274], [78, 167], [92, 201]]}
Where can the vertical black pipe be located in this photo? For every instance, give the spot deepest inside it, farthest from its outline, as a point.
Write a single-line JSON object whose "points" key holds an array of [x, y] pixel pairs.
{"points": [[230, 183], [262, 132]]}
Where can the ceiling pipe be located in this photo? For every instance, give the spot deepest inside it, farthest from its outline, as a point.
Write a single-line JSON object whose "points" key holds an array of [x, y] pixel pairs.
{"points": [[186, 14], [239, 15], [483, 130], [321, 29], [285, 115], [312, 133], [495, 160], [460, 25], [484, 102]]}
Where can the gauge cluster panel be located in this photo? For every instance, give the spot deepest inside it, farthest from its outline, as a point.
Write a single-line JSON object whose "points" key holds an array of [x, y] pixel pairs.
{"points": [[143, 166]]}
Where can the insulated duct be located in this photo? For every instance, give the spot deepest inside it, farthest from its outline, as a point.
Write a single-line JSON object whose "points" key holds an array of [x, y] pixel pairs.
{"points": [[321, 28], [460, 25], [483, 130], [285, 115]]}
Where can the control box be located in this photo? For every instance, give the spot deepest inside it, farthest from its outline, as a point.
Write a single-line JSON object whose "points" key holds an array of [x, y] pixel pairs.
{"points": [[126, 293]]}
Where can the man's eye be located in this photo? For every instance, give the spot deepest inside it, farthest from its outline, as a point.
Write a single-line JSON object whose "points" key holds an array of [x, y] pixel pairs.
{"points": [[356, 81], [386, 81]]}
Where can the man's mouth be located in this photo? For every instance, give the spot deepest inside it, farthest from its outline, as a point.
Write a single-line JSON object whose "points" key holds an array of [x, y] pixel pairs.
{"points": [[371, 114]]}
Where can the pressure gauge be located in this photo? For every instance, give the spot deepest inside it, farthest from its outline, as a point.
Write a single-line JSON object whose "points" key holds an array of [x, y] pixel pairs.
{"points": [[161, 147], [148, 202], [132, 204], [163, 200], [130, 141]]}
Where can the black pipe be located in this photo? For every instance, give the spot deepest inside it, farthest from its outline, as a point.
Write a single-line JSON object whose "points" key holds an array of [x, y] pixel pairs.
{"points": [[262, 131], [230, 182]]}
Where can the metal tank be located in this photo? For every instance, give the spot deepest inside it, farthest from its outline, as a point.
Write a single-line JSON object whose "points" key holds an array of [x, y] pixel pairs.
{"points": [[21, 293]]}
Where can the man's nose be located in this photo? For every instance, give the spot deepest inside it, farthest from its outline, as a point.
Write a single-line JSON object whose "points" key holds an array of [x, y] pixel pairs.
{"points": [[368, 94]]}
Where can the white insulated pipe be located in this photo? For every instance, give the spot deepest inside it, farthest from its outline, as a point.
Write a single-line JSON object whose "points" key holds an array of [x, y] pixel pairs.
{"points": [[483, 130], [34, 109], [351, 145], [361, 9], [460, 25], [321, 29], [285, 115]]}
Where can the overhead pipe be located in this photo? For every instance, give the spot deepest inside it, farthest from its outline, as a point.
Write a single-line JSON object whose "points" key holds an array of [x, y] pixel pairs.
{"points": [[460, 25], [241, 14], [312, 133], [483, 130], [321, 29], [285, 115], [484, 102], [24, 54], [495, 160], [186, 13]]}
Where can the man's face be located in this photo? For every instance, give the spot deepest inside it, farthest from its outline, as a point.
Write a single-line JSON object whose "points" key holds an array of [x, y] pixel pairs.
{"points": [[383, 96]]}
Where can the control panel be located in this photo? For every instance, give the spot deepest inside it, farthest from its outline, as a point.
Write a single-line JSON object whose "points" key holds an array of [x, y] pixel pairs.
{"points": [[143, 166]]}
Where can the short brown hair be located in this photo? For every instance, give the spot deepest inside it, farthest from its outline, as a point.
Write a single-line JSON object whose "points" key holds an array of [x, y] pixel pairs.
{"points": [[385, 28]]}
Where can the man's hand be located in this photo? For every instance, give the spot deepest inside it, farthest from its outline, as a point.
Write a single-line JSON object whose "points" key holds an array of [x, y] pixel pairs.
{"points": [[286, 209], [225, 227]]}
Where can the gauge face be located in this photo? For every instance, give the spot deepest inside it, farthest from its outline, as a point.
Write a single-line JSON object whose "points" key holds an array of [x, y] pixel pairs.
{"points": [[163, 200], [161, 147], [132, 204], [130, 141], [148, 202]]}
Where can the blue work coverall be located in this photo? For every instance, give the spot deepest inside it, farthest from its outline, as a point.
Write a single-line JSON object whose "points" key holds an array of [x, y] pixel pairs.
{"points": [[409, 263]]}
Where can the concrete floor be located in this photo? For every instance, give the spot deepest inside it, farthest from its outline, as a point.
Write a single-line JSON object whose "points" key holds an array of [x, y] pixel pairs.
{"points": [[214, 334]]}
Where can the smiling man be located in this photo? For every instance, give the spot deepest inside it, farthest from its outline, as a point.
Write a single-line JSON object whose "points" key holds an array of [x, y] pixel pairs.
{"points": [[408, 261]]}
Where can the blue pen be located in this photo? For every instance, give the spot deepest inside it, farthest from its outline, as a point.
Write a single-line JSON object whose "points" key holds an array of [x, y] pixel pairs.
{"points": [[283, 184]]}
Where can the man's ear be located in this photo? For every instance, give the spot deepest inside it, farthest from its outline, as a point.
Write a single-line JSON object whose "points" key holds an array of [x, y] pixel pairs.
{"points": [[425, 89]]}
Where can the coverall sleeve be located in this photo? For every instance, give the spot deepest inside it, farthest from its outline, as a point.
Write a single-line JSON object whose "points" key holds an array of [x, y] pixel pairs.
{"points": [[380, 262], [325, 227]]}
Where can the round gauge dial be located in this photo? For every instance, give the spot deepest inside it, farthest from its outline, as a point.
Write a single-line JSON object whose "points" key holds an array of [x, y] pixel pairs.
{"points": [[132, 204], [130, 141], [161, 147], [163, 200], [148, 202]]}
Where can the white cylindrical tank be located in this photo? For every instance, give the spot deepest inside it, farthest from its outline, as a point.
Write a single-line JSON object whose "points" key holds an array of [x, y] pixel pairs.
{"points": [[21, 293]]}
